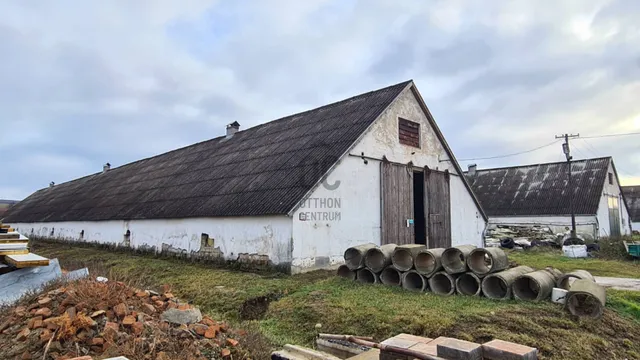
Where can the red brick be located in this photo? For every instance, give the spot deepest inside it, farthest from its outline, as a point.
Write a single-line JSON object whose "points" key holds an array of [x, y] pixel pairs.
{"points": [[504, 350], [128, 320], [459, 350], [232, 342], [120, 310], [44, 312], [225, 352], [23, 334], [137, 328], [211, 333]]}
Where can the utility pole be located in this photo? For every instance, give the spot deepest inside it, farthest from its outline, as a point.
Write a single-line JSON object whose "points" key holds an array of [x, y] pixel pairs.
{"points": [[567, 152]]}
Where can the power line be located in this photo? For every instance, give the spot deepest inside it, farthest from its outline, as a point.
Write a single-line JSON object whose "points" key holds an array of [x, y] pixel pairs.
{"points": [[609, 135], [514, 154]]}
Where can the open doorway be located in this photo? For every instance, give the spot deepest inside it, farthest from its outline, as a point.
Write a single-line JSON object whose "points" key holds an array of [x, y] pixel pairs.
{"points": [[419, 219]]}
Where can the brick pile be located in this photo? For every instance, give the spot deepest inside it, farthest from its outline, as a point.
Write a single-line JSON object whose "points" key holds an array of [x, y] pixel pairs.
{"points": [[103, 319]]}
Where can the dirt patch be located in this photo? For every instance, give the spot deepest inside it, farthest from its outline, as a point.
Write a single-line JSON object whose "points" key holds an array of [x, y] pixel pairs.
{"points": [[255, 308]]}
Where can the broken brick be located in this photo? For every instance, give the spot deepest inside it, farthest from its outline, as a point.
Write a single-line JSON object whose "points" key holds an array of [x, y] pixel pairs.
{"points": [[44, 312], [97, 341], [232, 342], [128, 320], [137, 328], [142, 294], [23, 334], [225, 352], [44, 301], [210, 333], [159, 303], [168, 295], [97, 313], [20, 311], [199, 329], [45, 335], [184, 307], [148, 309], [35, 323], [111, 325], [207, 321], [120, 310]]}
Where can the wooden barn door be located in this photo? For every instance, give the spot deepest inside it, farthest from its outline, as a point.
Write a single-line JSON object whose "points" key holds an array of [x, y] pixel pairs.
{"points": [[397, 204], [438, 205]]}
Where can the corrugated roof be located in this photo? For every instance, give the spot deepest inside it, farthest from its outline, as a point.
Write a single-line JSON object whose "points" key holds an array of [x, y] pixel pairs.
{"points": [[263, 170], [632, 195], [541, 189]]}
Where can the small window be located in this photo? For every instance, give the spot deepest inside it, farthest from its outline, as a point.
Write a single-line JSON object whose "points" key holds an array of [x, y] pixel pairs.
{"points": [[205, 240], [610, 179], [409, 132]]}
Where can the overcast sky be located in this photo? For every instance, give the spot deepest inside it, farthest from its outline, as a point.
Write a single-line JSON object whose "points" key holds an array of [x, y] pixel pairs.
{"points": [[86, 82]]}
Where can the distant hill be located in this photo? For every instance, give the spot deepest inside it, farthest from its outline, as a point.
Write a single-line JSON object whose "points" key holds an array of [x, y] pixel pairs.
{"points": [[4, 205]]}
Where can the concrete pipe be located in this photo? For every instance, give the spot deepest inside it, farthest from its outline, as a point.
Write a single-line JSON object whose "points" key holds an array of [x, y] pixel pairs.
{"points": [[379, 258], [487, 260], [345, 272], [391, 276], [586, 298], [403, 256], [469, 284], [498, 285], [565, 281], [413, 281], [428, 262], [443, 283], [354, 256], [454, 259], [367, 276], [536, 285]]}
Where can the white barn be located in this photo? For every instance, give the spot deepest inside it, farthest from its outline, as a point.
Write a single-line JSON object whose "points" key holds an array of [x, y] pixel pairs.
{"points": [[294, 192], [539, 195], [632, 195]]}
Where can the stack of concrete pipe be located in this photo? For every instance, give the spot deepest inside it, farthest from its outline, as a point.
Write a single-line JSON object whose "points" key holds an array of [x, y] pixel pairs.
{"points": [[467, 270]]}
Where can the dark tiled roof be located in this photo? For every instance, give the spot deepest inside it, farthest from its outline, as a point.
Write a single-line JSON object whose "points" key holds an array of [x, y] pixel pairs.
{"points": [[632, 195], [263, 170], [541, 189]]}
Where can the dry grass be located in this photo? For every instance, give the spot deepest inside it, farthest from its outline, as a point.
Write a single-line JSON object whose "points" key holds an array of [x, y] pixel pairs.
{"points": [[295, 304]]}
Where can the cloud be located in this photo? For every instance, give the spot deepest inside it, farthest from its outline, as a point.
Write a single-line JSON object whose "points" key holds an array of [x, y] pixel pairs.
{"points": [[85, 83]]}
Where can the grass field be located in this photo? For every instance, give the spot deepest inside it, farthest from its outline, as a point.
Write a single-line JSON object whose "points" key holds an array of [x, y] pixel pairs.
{"points": [[285, 309]]}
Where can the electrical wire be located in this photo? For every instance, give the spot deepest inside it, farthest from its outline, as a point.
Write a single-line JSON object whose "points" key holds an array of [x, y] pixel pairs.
{"points": [[514, 154], [608, 135]]}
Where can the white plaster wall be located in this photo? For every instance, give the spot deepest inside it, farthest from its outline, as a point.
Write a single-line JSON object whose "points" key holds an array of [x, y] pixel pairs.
{"points": [[324, 241], [585, 224], [269, 235], [603, 209]]}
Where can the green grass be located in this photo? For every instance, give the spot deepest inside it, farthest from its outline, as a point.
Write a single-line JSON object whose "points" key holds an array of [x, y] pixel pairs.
{"points": [[298, 303], [541, 258]]}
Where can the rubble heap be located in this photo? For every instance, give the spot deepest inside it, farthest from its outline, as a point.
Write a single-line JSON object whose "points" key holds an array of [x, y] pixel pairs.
{"points": [[109, 318]]}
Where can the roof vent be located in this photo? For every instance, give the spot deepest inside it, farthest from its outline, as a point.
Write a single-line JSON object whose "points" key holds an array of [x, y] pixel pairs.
{"points": [[51, 184], [106, 167], [472, 170], [232, 129]]}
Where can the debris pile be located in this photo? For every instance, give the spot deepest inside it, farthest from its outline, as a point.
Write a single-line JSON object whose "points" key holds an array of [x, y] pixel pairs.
{"points": [[109, 318], [514, 236], [468, 270]]}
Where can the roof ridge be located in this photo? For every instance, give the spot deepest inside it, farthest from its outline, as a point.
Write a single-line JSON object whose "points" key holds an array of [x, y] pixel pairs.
{"points": [[538, 164]]}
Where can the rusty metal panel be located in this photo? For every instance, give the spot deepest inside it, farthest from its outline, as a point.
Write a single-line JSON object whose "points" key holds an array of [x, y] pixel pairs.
{"points": [[397, 204], [438, 208]]}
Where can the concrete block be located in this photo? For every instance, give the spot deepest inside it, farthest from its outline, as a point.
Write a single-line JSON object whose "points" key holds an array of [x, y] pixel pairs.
{"points": [[504, 350], [418, 339], [455, 349], [373, 354], [405, 341], [430, 348]]}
